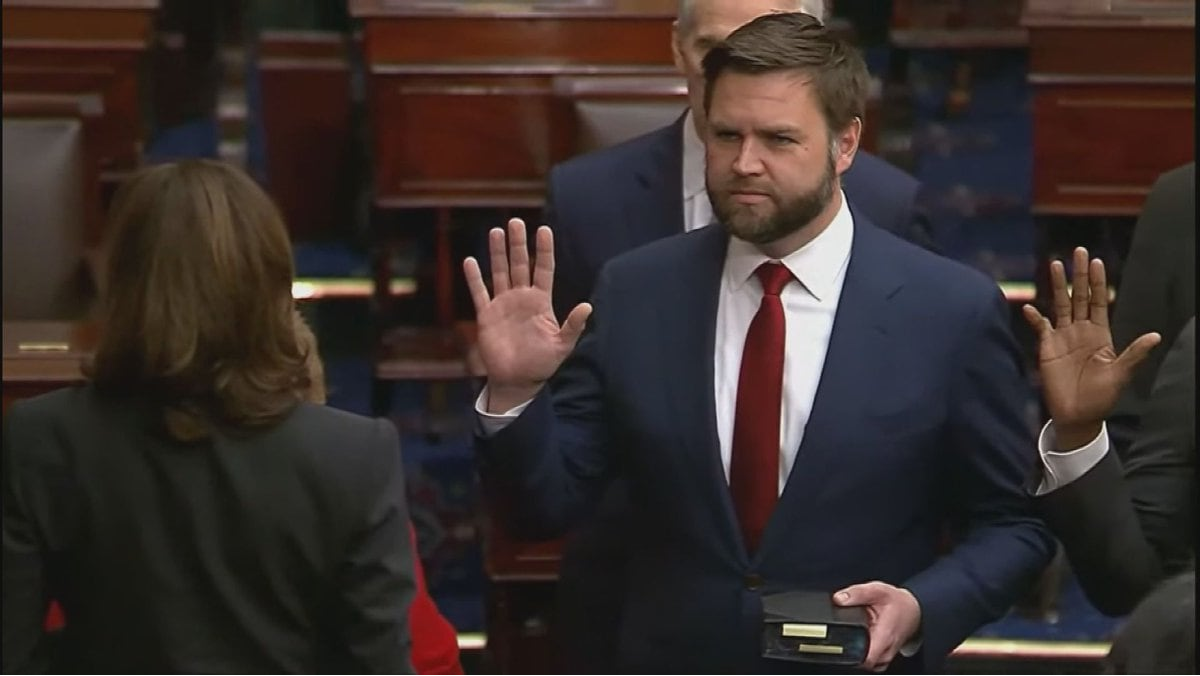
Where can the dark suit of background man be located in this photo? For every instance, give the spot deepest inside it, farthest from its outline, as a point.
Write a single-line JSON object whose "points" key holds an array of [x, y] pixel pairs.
{"points": [[1127, 520], [613, 200], [802, 405], [1158, 288]]}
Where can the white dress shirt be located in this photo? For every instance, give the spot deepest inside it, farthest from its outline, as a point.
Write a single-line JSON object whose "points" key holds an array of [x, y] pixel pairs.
{"points": [[1060, 468], [809, 306], [697, 210]]}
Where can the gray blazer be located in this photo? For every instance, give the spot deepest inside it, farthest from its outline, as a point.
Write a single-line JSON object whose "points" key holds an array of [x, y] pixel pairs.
{"points": [[282, 551]]}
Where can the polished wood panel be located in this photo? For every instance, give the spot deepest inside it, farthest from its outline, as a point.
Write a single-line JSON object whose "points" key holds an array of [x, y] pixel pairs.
{"points": [[591, 40], [78, 22], [84, 4], [1095, 103], [308, 147], [43, 356], [1092, 154], [463, 107], [1062, 48], [118, 138], [466, 139], [554, 8], [64, 67], [52, 46]]}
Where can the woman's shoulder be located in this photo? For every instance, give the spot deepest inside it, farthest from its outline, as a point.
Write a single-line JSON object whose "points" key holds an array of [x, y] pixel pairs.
{"points": [[324, 427], [49, 407], [322, 419]]}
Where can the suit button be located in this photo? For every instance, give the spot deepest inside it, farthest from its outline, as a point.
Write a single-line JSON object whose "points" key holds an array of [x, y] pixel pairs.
{"points": [[753, 582]]}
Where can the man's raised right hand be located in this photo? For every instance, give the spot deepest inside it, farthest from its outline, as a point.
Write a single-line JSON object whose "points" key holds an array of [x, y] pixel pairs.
{"points": [[519, 339]]}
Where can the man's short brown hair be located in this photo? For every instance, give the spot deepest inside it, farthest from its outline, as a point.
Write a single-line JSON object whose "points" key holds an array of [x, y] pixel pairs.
{"points": [[798, 42]]}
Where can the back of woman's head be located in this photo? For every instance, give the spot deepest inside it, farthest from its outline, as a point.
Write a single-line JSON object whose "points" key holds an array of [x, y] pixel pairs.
{"points": [[197, 310], [1160, 634]]}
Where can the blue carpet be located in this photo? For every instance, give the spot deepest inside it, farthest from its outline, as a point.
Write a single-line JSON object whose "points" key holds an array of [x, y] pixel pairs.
{"points": [[330, 259], [197, 138]]}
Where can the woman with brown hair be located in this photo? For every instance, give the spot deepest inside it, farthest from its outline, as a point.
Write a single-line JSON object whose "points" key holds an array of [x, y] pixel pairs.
{"points": [[188, 507]]}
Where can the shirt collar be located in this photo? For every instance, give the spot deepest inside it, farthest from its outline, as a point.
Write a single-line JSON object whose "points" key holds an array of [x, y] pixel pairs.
{"points": [[815, 265], [693, 159]]}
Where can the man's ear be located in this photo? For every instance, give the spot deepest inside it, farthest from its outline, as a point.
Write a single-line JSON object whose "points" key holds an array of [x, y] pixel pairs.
{"points": [[845, 145], [677, 47]]}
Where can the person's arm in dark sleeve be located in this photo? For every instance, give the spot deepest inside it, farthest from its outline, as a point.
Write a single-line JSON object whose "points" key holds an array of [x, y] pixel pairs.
{"points": [[375, 585]]}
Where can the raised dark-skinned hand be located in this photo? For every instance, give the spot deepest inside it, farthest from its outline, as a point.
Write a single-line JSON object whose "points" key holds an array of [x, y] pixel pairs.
{"points": [[1082, 375]]}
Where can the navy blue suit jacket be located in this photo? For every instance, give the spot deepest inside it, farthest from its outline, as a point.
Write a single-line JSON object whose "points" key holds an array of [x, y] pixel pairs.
{"points": [[601, 205], [918, 419], [605, 203]]}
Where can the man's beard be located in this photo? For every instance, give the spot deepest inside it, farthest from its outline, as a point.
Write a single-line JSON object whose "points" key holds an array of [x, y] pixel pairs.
{"points": [[791, 216]]}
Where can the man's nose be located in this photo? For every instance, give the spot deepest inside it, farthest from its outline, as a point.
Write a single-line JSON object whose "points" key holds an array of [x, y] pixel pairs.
{"points": [[748, 162]]}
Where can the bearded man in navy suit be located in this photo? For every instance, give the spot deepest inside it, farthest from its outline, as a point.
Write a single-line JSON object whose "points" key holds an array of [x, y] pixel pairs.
{"points": [[794, 398], [613, 200]]}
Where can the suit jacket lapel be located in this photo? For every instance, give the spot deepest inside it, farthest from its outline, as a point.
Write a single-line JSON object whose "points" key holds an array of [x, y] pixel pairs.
{"points": [[688, 338], [655, 208], [858, 340]]}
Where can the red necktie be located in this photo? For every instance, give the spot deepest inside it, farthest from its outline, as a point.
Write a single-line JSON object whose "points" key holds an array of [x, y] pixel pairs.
{"points": [[754, 466]]}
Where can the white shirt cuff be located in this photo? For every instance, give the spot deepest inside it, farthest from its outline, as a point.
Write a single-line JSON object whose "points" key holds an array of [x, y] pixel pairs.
{"points": [[491, 423], [1061, 468]]}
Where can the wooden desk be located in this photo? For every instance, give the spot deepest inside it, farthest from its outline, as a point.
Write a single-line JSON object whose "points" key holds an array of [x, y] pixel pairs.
{"points": [[464, 112], [43, 356], [1102, 81], [307, 146], [74, 46], [1113, 108], [462, 104]]}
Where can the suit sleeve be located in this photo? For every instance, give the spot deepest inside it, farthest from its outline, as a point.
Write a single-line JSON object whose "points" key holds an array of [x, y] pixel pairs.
{"points": [[570, 286], [1127, 528], [375, 583], [1004, 546], [551, 461], [920, 230], [25, 594], [1149, 283]]}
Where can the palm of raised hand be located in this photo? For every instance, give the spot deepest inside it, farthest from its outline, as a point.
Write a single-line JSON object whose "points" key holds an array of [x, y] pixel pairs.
{"points": [[519, 339], [1082, 375], [1079, 377]]}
